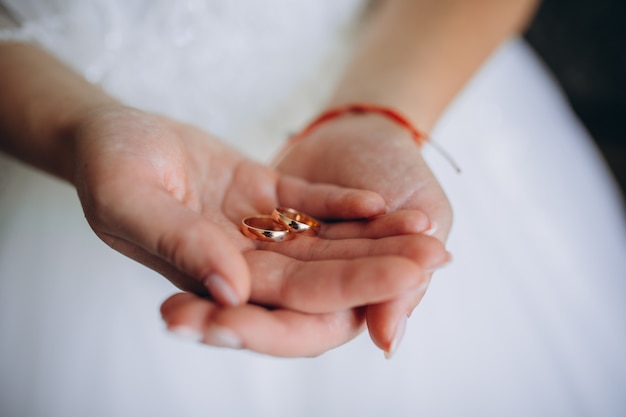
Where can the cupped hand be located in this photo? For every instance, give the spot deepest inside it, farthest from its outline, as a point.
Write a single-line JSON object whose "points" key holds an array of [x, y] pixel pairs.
{"points": [[370, 152], [171, 197]]}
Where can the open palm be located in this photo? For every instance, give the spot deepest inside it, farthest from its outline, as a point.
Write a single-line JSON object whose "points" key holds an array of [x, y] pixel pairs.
{"points": [[171, 196], [370, 152]]}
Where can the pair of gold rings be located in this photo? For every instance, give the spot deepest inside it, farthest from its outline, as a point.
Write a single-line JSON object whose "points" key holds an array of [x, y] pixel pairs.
{"points": [[283, 224]]}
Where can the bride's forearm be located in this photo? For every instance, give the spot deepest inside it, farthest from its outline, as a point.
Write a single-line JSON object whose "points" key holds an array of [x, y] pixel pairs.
{"points": [[416, 55], [41, 101]]}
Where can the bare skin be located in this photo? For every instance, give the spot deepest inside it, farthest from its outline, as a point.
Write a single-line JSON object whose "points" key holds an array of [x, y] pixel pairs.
{"points": [[171, 197], [437, 46], [414, 56]]}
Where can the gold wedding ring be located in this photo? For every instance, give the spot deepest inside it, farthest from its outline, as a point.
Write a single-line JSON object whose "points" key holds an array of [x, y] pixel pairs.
{"points": [[263, 227], [296, 221]]}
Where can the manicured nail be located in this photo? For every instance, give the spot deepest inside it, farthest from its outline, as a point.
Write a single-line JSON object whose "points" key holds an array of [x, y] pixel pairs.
{"points": [[432, 229], [444, 262], [186, 333], [397, 338], [221, 291], [222, 337]]}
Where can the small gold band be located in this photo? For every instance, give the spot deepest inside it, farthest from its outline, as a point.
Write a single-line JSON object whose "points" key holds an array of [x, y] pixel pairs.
{"points": [[265, 228], [296, 221]]}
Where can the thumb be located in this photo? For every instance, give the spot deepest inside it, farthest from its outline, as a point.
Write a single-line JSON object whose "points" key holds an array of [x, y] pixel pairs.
{"points": [[158, 231]]}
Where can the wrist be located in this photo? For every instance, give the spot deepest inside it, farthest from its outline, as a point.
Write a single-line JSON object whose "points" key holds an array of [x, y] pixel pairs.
{"points": [[42, 102], [67, 131], [360, 121], [359, 108], [364, 127], [347, 135]]}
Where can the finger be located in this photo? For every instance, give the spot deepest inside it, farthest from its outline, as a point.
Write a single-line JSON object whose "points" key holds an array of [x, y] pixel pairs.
{"points": [[327, 201], [330, 285], [386, 321], [403, 222], [153, 220], [278, 332], [426, 251]]}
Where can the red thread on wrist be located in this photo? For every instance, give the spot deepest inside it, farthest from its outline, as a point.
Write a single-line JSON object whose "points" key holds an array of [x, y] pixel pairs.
{"points": [[418, 136], [359, 108]]}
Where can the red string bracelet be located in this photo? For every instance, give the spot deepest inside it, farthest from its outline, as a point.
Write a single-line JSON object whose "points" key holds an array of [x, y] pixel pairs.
{"points": [[359, 108], [419, 137]]}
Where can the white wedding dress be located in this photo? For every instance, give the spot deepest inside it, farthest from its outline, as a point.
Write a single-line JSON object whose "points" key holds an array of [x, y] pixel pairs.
{"points": [[529, 320]]}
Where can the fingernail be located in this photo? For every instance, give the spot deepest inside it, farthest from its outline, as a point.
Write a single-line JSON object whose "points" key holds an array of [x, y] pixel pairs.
{"points": [[221, 291], [186, 333], [397, 338], [222, 337], [445, 261], [432, 229]]}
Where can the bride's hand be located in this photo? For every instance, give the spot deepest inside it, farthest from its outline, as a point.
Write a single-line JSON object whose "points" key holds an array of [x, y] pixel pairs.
{"points": [[171, 196], [370, 152]]}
